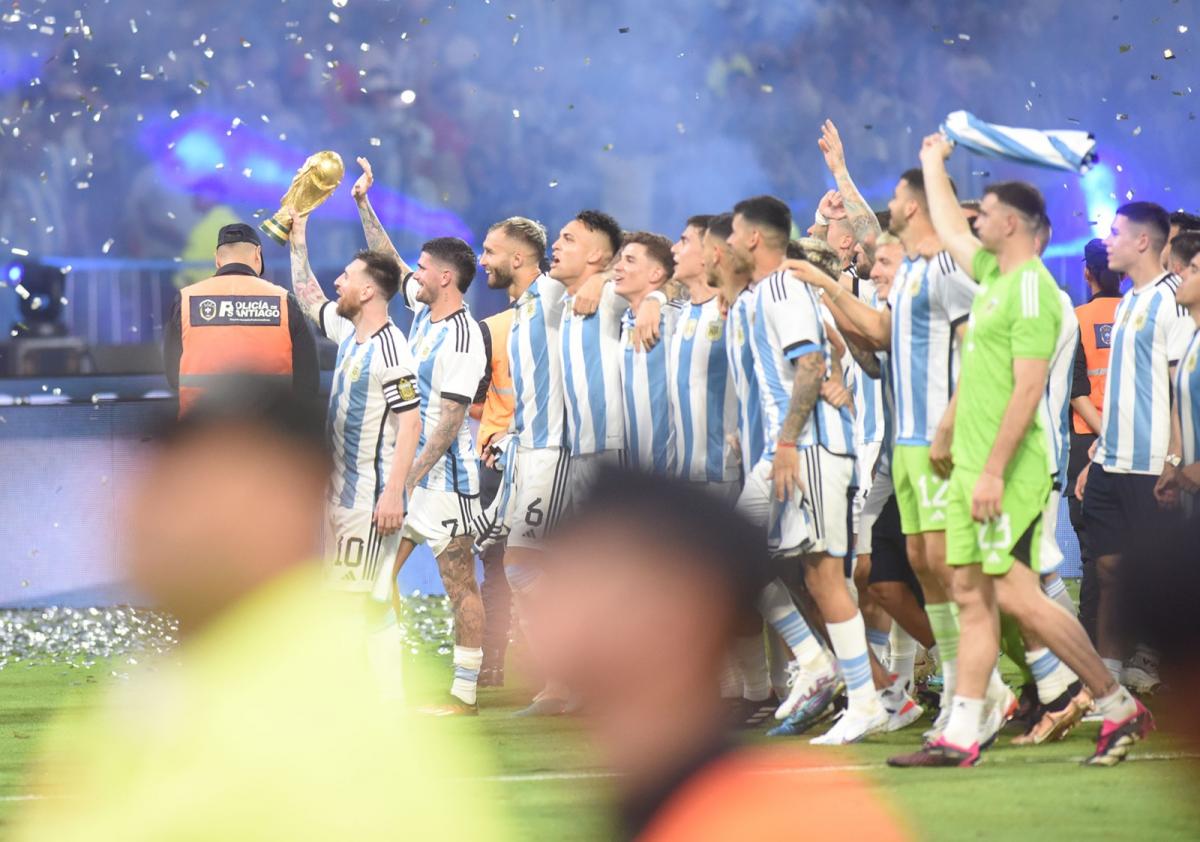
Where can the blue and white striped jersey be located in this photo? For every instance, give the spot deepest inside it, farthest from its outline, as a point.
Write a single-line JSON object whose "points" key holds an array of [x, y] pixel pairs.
{"points": [[929, 297], [745, 382], [646, 395], [703, 402], [450, 366], [1056, 405], [372, 381], [590, 354], [1187, 394], [868, 391], [1150, 333], [534, 360], [789, 322]]}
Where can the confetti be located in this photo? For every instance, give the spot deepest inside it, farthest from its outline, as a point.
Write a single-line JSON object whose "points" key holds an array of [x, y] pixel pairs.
{"points": [[608, 147], [1125, 48], [246, 171], [1121, 117], [554, 182], [1168, 54], [245, 42], [623, 30], [364, 47], [516, 114], [1182, 29], [408, 96], [20, 252], [133, 26], [107, 245], [376, 141], [766, 89], [339, 4], [335, 17], [1137, 131]]}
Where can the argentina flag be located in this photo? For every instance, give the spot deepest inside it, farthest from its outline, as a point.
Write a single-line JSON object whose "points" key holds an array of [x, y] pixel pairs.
{"points": [[1067, 149]]}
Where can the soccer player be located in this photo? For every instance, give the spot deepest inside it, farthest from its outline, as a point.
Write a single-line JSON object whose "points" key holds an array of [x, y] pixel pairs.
{"points": [[644, 265], [443, 485], [929, 299], [703, 402], [373, 430], [1187, 389], [1148, 339], [807, 467], [1000, 482]]}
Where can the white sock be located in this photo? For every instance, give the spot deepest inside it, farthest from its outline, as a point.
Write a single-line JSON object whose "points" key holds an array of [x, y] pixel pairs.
{"points": [[466, 673], [385, 653], [903, 655], [966, 720], [1113, 665], [1053, 677], [752, 660], [1054, 587], [777, 608], [878, 640], [849, 641], [997, 690], [731, 679], [779, 656], [1117, 706]]}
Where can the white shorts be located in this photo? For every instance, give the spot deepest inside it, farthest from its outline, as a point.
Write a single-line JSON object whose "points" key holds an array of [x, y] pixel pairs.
{"points": [[491, 526], [1052, 555], [866, 460], [435, 518], [789, 525], [877, 496], [540, 492], [356, 555], [585, 467]]}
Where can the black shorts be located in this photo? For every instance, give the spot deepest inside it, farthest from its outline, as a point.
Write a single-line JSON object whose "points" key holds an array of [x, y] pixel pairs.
{"points": [[1119, 511], [489, 485], [1077, 461], [889, 552]]}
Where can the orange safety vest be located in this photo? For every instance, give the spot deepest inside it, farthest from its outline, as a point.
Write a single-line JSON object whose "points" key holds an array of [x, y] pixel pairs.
{"points": [[775, 795], [232, 323], [499, 404], [1095, 332]]}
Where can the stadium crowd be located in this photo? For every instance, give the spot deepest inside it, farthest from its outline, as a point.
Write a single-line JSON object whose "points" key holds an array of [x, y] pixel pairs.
{"points": [[813, 384]]}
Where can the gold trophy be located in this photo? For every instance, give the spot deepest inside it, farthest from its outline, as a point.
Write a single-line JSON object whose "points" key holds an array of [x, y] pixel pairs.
{"points": [[315, 180]]}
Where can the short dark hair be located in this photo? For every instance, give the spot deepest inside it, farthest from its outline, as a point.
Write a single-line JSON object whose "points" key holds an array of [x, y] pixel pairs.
{"points": [[969, 204], [458, 254], [594, 220], [1153, 216], [794, 250], [915, 179], [656, 245], [767, 212], [1022, 197], [383, 270], [885, 219], [1184, 221], [703, 527], [699, 220], [721, 226], [1185, 246]]}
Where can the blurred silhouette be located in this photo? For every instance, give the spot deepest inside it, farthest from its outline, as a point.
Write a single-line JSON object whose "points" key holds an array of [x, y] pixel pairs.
{"points": [[266, 723], [645, 586]]}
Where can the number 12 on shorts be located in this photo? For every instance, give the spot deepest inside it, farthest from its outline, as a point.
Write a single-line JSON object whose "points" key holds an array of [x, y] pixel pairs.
{"points": [[938, 500]]}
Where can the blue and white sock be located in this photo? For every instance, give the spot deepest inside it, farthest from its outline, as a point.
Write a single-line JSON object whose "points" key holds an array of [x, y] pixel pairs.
{"points": [[878, 640], [466, 673], [1054, 587], [1053, 677], [777, 608], [849, 639], [752, 661]]}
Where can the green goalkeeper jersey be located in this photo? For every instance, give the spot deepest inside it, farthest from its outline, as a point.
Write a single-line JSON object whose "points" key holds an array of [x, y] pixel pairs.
{"points": [[1015, 315]]}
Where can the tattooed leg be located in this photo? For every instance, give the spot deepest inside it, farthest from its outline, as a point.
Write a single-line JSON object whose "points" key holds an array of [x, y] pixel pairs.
{"points": [[457, 566]]}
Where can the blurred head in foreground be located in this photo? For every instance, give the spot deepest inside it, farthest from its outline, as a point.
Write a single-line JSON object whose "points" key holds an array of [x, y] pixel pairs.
{"points": [[266, 722], [645, 586], [232, 498]]}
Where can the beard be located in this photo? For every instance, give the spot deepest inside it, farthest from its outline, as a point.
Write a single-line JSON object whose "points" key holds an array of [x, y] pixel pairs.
{"points": [[896, 224], [346, 308], [712, 277], [501, 278]]}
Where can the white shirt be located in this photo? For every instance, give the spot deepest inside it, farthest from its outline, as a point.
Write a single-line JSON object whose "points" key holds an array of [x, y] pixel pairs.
{"points": [[536, 365], [751, 435], [372, 381], [1056, 404], [649, 434], [1150, 333], [589, 348]]}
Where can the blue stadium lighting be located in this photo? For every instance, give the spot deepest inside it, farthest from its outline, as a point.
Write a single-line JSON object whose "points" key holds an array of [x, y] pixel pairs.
{"points": [[198, 151]]}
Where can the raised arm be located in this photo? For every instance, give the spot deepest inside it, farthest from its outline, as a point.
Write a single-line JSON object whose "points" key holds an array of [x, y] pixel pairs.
{"points": [[443, 435], [304, 282], [859, 215], [952, 227], [377, 238]]}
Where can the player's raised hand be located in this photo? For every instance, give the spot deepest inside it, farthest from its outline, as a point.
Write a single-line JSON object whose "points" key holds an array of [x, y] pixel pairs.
{"points": [[299, 226], [831, 205], [936, 147], [364, 182], [831, 147]]}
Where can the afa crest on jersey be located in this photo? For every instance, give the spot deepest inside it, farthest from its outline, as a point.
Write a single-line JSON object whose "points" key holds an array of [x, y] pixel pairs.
{"points": [[714, 330], [1191, 361], [689, 329]]}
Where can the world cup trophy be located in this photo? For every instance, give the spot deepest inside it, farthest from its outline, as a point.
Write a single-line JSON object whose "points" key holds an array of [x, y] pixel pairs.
{"points": [[315, 180]]}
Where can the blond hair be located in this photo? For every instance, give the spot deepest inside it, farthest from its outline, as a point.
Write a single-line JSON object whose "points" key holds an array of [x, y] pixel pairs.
{"points": [[529, 231]]}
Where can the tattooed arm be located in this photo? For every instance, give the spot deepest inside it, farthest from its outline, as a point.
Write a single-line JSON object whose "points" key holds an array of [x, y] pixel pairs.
{"points": [[377, 238], [859, 215], [304, 282], [806, 389], [866, 360], [439, 441]]}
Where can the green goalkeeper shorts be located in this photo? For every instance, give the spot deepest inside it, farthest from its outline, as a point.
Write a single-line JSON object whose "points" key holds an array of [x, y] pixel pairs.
{"points": [[920, 493], [1016, 534]]}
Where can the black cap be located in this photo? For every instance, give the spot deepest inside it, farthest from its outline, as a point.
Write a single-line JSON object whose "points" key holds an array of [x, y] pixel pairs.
{"points": [[238, 232], [1095, 255]]}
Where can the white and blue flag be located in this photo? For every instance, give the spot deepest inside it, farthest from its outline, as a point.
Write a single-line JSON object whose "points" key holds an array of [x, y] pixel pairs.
{"points": [[1067, 149]]}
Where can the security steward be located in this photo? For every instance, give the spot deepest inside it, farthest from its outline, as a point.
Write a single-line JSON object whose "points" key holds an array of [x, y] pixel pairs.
{"points": [[236, 321]]}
